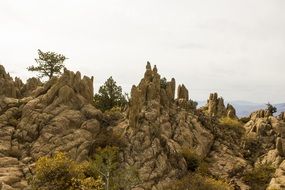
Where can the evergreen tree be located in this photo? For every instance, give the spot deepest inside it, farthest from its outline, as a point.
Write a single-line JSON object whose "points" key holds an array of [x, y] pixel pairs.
{"points": [[272, 109], [49, 64], [109, 96]]}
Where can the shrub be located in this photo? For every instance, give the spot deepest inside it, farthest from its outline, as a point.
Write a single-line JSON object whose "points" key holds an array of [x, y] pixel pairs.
{"points": [[192, 105], [192, 159], [233, 125], [198, 182], [244, 119], [259, 177], [59, 172], [106, 165], [252, 148], [112, 116], [163, 83], [226, 121]]}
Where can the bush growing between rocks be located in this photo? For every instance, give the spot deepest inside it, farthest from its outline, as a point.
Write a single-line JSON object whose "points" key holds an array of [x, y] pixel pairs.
{"points": [[259, 177], [233, 124], [252, 148], [198, 182], [244, 120], [163, 83], [106, 165], [59, 172], [192, 159], [112, 116], [226, 121]]}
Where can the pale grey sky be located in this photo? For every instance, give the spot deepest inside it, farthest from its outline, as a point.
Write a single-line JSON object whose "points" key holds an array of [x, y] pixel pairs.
{"points": [[234, 47]]}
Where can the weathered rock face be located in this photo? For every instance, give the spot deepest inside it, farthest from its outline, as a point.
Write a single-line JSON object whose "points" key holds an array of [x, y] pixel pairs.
{"points": [[57, 118], [216, 107], [31, 85], [159, 129], [278, 181], [260, 114]]}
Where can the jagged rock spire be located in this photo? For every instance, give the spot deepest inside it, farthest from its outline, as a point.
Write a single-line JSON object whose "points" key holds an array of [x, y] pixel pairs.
{"points": [[183, 92], [9, 87], [216, 107], [154, 92]]}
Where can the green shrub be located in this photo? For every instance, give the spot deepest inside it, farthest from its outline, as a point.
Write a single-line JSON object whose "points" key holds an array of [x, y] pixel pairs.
{"points": [[259, 177], [244, 119]]}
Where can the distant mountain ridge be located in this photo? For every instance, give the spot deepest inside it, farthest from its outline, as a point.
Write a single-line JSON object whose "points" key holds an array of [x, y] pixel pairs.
{"points": [[245, 108]]}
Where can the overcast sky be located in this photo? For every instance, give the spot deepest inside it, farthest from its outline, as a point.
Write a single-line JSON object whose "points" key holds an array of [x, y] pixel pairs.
{"points": [[234, 47]]}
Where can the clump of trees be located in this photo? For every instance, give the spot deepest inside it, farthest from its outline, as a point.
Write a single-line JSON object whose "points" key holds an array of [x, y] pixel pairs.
{"points": [[110, 96], [49, 64]]}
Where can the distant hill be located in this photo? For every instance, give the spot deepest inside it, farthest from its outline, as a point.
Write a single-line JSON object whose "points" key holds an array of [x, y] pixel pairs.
{"points": [[245, 108]]}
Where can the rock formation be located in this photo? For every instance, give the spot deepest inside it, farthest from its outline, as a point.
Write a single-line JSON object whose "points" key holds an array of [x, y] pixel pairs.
{"points": [[8, 87], [282, 116], [59, 117], [216, 107], [159, 129]]}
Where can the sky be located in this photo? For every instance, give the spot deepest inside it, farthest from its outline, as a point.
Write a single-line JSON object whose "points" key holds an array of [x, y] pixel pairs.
{"points": [[233, 47]]}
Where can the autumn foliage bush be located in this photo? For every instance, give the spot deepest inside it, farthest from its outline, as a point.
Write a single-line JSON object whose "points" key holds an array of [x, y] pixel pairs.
{"points": [[61, 173]]}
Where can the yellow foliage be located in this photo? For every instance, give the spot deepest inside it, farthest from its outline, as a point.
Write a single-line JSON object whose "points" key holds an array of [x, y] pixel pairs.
{"points": [[59, 172], [226, 121]]}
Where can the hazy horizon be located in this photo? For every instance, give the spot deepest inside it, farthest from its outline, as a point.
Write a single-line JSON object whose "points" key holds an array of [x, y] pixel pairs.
{"points": [[235, 48]]}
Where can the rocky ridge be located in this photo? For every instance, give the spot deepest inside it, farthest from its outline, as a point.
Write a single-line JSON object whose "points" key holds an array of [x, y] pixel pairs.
{"points": [[38, 119]]}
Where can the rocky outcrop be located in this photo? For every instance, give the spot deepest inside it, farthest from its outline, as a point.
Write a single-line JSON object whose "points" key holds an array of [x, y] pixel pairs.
{"points": [[216, 108], [282, 116], [9, 87], [278, 181], [59, 117], [31, 85], [182, 92], [260, 114], [159, 129], [38, 119], [269, 133]]}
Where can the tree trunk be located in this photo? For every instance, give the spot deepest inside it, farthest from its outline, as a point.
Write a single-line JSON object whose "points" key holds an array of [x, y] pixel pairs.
{"points": [[107, 181]]}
